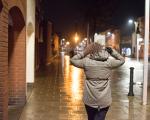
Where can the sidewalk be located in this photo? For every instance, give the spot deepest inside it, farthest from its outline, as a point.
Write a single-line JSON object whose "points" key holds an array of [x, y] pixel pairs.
{"points": [[124, 107], [57, 94]]}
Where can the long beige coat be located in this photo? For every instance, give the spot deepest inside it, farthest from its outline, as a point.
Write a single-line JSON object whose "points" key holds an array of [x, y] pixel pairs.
{"points": [[97, 91]]}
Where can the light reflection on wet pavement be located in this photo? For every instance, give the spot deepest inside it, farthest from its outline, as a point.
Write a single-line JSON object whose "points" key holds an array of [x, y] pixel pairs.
{"points": [[57, 94]]}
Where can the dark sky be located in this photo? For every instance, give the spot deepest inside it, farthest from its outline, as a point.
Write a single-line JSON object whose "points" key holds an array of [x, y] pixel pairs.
{"points": [[64, 14], [67, 14]]}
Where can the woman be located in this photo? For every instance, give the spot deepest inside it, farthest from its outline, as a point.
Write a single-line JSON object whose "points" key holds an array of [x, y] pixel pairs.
{"points": [[97, 66]]}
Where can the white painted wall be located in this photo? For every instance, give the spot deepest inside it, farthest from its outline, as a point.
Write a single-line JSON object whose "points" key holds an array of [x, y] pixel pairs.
{"points": [[30, 41]]}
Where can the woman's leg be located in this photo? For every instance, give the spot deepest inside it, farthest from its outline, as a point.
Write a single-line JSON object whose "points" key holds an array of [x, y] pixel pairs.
{"points": [[91, 112], [101, 114]]}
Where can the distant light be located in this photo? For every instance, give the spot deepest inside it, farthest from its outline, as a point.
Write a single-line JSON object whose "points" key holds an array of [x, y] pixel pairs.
{"points": [[108, 33], [85, 38], [83, 41], [76, 37], [113, 36], [63, 39], [67, 43], [96, 34], [130, 21], [81, 44]]}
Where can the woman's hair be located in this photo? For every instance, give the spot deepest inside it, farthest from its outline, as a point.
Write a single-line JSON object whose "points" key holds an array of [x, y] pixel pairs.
{"points": [[99, 53]]}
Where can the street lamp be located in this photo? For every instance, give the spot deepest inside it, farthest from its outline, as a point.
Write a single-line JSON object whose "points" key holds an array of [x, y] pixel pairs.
{"points": [[130, 21], [134, 39]]}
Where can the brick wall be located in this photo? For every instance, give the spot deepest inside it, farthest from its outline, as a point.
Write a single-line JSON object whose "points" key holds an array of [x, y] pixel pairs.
{"points": [[3, 62], [12, 76], [49, 43], [16, 52], [56, 43]]}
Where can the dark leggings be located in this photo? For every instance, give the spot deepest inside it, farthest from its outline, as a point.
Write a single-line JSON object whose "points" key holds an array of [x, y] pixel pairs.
{"points": [[95, 114]]}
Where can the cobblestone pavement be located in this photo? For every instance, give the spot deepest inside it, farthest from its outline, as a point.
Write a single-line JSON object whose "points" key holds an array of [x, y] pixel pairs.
{"points": [[57, 94]]}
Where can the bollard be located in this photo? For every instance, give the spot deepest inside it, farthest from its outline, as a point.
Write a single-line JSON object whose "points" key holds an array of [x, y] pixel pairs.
{"points": [[131, 82]]}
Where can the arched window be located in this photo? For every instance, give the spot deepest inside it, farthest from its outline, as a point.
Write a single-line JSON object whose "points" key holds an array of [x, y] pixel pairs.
{"points": [[1, 5], [16, 42]]}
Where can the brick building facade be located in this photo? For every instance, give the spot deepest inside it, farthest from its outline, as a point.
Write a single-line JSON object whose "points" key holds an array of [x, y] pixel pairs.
{"points": [[56, 43], [141, 21], [12, 62], [22, 36], [112, 38]]}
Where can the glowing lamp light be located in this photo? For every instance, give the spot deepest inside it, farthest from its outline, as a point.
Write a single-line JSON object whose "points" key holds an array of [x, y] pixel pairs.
{"points": [[76, 38], [96, 34], [67, 43], [85, 39], [108, 33], [130, 21]]}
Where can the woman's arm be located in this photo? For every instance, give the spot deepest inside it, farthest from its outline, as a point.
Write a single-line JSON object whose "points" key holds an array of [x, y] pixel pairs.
{"points": [[78, 60], [117, 61]]}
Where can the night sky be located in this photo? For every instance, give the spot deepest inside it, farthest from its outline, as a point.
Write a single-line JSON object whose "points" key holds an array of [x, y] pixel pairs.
{"points": [[67, 15]]}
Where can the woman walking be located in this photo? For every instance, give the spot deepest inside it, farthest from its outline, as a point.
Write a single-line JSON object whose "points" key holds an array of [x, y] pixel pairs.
{"points": [[97, 65]]}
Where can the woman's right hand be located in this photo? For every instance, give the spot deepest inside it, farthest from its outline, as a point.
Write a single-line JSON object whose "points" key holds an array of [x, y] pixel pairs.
{"points": [[109, 50]]}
